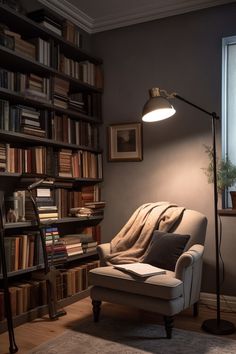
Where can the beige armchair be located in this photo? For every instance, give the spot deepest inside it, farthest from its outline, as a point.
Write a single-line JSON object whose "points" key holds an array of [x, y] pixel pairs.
{"points": [[166, 294]]}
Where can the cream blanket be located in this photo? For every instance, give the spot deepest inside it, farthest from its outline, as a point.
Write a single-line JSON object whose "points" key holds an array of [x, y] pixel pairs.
{"points": [[131, 243]]}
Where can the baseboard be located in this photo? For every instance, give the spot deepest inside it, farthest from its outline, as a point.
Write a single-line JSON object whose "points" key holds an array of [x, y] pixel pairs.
{"points": [[228, 303]]}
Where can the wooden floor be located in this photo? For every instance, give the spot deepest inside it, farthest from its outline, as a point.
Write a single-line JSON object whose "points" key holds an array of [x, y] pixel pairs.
{"points": [[31, 334]]}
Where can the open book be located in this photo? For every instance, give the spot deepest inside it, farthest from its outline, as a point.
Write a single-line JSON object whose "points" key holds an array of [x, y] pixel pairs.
{"points": [[140, 269]]}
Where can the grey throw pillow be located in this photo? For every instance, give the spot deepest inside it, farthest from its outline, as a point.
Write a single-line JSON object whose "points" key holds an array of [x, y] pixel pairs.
{"points": [[165, 249]]}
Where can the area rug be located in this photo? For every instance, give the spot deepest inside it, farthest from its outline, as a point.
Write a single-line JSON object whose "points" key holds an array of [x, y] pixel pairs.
{"points": [[124, 337]]}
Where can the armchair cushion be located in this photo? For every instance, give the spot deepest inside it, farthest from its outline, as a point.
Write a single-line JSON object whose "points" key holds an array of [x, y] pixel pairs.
{"points": [[164, 286], [165, 249]]}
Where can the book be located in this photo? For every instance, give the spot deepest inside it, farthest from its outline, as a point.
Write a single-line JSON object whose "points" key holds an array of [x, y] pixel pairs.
{"points": [[140, 269]]}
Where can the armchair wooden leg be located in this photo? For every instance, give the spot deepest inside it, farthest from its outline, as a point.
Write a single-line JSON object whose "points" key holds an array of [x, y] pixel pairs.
{"points": [[195, 309], [169, 324], [96, 309]]}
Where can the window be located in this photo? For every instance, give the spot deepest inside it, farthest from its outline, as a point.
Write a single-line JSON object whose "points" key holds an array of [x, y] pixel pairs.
{"points": [[229, 102]]}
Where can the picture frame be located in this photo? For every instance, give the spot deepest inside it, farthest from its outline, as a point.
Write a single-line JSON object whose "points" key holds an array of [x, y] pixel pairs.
{"points": [[125, 142]]}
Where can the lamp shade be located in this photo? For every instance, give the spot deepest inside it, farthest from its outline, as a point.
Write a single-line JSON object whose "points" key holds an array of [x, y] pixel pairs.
{"points": [[157, 107]]}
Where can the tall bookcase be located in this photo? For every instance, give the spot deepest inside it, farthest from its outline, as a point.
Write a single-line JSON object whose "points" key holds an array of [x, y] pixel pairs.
{"points": [[50, 114]]}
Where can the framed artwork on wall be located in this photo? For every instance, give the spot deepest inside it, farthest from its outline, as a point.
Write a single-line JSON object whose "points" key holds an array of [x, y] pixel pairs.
{"points": [[125, 142]]}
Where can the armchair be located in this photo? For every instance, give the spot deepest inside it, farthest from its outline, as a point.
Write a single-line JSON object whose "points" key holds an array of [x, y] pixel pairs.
{"points": [[166, 294]]}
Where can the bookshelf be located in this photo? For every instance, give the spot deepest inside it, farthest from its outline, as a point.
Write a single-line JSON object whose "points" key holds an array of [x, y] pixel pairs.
{"points": [[50, 115]]}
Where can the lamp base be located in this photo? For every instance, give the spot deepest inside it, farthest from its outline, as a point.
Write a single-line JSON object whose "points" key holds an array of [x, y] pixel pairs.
{"points": [[220, 327]]}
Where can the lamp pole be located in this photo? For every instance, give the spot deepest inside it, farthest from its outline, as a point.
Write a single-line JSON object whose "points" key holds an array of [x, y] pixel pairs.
{"points": [[159, 101], [214, 326]]}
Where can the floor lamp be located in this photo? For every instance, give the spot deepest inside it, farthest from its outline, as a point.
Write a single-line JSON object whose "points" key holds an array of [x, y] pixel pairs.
{"points": [[158, 108]]}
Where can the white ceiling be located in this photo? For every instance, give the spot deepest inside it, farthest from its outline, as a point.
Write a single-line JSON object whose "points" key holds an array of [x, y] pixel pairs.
{"points": [[101, 15]]}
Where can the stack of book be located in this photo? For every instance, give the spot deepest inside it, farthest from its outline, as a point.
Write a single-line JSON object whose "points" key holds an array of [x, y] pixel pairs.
{"points": [[30, 120], [77, 102], [79, 243], [47, 213], [89, 209], [46, 19], [73, 245], [3, 158], [21, 46], [55, 247], [45, 204], [46, 209], [33, 85], [70, 33], [88, 243], [25, 119], [60, 92]]}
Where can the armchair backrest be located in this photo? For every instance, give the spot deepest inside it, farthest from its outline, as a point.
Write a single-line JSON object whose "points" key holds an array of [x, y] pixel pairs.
{"points": [[194, 224]]}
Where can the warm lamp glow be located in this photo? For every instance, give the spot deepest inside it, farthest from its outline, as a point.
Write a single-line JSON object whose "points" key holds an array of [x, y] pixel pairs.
{"points": [[158, 114], [157, 107]]}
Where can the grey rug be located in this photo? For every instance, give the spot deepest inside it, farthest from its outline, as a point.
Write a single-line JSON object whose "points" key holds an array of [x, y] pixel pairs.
{"points": [[123, 337]]}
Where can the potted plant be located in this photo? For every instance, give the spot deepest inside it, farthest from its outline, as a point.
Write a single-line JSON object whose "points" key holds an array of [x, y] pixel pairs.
{"points": [[226, 174]]}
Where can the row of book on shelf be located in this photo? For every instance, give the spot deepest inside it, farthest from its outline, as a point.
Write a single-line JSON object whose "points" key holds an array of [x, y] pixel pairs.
{"points": [[52, 90], [60, 128], [44, 160], [32, 293], [62, 28], [25, 250], [55, 203], [49, 53]]}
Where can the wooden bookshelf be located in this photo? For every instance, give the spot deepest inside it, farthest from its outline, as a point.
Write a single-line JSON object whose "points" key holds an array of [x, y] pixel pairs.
{"points": [[227, 212], [22, 70], [43, 310]]}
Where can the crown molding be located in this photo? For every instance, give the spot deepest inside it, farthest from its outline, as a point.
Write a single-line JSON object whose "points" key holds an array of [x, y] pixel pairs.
{"points": [[126, 18]]}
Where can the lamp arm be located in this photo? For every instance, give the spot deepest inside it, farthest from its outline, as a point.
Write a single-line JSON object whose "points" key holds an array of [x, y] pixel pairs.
{"points": [[212, 114]]}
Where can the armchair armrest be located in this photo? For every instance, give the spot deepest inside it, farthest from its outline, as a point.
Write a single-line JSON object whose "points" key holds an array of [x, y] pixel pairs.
{"points": [[189, 269], [188, 259], [103, 250]]}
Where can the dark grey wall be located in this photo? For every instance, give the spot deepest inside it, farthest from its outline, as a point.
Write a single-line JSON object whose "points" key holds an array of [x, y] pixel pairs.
{"points": [[183, 54]]}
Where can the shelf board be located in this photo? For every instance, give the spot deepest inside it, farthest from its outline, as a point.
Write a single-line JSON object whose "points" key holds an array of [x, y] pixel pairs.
{"points": [[12, 58], [42, 310], [76, 219], [19, 225], [29, 28], [81, 256], [15, 137], [23, 271], [227, 212], [16, 98], [17, 181], [66, 220]]}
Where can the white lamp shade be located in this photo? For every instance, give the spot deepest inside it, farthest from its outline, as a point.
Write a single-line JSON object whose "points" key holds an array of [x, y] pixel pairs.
{"points": [[157, 108]]}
